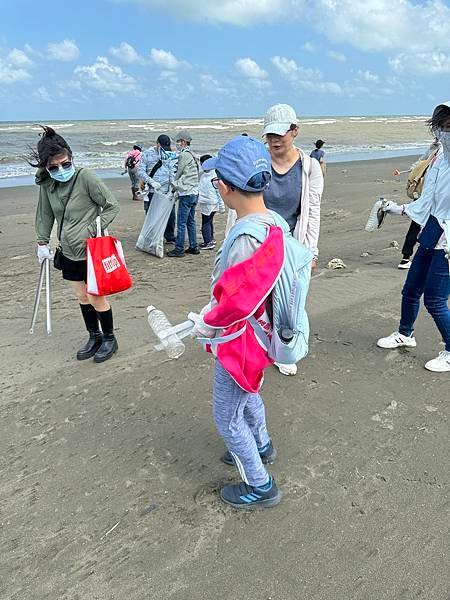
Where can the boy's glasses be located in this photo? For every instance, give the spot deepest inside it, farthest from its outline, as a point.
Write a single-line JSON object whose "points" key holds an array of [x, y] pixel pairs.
{"points": [[64, 165], [215, 182]]}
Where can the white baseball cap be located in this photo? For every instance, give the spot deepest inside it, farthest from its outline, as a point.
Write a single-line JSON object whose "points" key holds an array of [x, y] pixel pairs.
{"points": [[278, 119]]}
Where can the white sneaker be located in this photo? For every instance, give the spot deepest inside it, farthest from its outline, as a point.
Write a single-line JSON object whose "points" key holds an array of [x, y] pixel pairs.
{"points": [[287, 369], [405, 263], [397, 340], [440, 364]]}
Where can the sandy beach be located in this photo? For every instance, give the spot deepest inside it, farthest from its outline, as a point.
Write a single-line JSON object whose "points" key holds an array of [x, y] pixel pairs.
{"points": [[109, 473]]}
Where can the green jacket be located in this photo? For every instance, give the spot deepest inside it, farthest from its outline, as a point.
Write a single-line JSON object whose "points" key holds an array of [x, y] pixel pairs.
{"points": [[89, 196]]}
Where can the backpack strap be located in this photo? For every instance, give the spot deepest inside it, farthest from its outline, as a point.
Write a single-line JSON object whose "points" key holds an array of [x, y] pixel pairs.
{"points": [[156, 166], [259, 232], [223, 338]]}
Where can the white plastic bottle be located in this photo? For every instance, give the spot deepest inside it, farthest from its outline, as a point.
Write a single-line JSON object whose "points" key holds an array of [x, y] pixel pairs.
{"points": [[373, 221], [160, 324]]}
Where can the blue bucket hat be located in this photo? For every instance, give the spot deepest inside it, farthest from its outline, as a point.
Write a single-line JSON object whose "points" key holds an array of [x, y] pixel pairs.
{"points": [[241, 159]]}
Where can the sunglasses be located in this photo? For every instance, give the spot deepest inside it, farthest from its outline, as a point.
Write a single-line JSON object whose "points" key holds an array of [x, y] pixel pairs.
{"points": [[64, 165]]}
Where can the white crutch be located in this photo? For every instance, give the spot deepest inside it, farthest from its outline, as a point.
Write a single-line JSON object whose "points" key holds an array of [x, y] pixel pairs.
{"points": [[44, 274]]}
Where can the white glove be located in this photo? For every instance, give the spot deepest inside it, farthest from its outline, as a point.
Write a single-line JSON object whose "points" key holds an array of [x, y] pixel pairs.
{"points": [[44, 252], [156, 185], [200, 329], [393, 208]]}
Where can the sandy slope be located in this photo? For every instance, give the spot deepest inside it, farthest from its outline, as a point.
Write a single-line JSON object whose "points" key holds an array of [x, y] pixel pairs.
{"points": [[130, 444]]}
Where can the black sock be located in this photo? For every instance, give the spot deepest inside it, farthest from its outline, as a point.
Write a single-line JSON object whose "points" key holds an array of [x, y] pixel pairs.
{"points": [[106, 321], [90, 317]]}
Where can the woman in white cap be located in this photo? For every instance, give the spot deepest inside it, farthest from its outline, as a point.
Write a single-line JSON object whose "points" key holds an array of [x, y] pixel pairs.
{"points": [[429, 271], [296, 187]]}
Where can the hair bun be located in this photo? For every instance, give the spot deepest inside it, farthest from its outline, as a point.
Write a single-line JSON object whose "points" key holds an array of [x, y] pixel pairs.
{"points": [[48, 131]]}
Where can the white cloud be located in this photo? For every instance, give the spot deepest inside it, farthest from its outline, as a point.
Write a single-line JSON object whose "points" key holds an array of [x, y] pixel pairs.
{"points": [[18, 58], [13, 66], [373, 25], [433, 63], [66, 50], [127, 54], [249, 68], [105, 78], [309, 80], [337, 56], [235, 12], [368, 76], [42, 94], [308, 47], [213, 87], [166, 60], [11, 74]]}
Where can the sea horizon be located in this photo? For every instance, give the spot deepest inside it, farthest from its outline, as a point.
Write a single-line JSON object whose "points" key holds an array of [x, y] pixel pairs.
{"points": [[102, 144]]}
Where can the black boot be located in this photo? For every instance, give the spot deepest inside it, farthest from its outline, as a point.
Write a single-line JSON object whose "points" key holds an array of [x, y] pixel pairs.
{"points": [[109, 344], [107, 349], [91, 346], [95, 337]]}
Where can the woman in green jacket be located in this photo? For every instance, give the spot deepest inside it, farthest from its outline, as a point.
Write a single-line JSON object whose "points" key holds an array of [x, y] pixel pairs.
{"points": [[74, 197]]}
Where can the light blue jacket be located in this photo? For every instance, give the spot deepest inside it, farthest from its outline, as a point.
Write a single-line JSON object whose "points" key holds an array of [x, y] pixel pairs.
{"points": [[165, 175]]}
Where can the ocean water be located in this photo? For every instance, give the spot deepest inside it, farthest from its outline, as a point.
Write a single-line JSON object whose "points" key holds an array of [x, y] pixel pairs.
{"points": [[102, 145]]}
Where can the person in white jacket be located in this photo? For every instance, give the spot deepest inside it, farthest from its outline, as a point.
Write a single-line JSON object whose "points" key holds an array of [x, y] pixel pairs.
{"points": [[296, 187], [429, 271], [209, 202]]}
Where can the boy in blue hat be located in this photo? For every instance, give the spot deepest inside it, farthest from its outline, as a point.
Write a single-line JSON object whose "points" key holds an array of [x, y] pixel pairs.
{"points": [[243, 171]]}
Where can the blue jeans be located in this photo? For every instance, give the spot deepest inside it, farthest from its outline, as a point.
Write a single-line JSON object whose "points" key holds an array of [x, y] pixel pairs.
{"points": [[428, 275], [208, 228], [186, 218]]}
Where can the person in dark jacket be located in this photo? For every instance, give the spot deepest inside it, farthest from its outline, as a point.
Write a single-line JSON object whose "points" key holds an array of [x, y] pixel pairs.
{"points": [[74, 197]]}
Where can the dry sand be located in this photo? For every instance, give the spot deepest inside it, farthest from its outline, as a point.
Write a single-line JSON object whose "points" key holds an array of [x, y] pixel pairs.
{"points": [[109, 473]]}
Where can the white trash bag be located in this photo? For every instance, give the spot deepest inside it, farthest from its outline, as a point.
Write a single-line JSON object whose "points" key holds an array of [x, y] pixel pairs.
{"points": [[151, 238]]}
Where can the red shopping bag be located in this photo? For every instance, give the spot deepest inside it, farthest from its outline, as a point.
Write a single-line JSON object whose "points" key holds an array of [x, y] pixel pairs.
{"points": [[107, 272]]}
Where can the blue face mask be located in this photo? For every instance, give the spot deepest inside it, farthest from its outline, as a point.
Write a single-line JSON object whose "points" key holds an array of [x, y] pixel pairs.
{"points": [[62, 175]]}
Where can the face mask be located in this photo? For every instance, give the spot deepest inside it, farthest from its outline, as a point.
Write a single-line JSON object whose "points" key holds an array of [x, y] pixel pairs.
{"points": [[444, 138], [63, 175]]}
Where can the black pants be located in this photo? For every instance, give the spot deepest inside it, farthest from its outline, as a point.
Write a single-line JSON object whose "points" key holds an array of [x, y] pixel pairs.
{"points": [[208, 228], [410, 240], [169, 233]]}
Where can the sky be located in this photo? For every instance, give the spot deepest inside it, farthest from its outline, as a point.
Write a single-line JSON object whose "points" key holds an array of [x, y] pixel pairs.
{"points": [[149, 59]]}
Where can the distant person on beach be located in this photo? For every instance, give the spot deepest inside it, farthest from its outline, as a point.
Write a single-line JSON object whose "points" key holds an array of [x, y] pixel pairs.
{"points": [[209, 202], [185, 186], [428, 275], [319, 155], [131, 166], [414, 228], [157, 169], [74, 197], [242, 171], [296, 187]]}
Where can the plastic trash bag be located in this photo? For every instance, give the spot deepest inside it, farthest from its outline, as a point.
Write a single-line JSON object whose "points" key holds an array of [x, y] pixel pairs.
{"points": [[151, 238]]}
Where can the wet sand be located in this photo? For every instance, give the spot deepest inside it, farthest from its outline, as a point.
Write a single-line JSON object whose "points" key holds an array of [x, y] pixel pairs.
{"points": [[109, 473]]}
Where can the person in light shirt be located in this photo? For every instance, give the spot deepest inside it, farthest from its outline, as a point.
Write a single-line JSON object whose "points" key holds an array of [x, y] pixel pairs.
{"points": [[428, 275]]}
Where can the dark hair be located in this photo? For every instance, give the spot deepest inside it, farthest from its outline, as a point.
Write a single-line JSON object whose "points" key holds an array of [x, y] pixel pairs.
{"points": [[204, 158], [244, 134], [258, 181], [136, 147], [440, 114], [319, 144], [50, 144]]}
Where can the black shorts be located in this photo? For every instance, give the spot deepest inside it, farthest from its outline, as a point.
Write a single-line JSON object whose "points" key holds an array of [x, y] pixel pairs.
{"points": [[74, 270]]}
